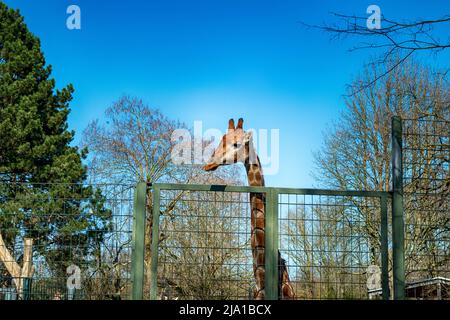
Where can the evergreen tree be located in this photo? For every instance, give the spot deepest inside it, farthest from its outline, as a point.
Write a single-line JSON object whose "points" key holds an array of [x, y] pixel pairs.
{"points": [[42, 190], [34, 140]]}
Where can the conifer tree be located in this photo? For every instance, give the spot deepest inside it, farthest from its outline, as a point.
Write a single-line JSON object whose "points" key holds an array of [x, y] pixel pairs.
{"points": [[42, 191]]}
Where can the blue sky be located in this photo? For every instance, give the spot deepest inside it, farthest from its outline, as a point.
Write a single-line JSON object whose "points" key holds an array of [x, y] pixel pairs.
{"points": [[210, 60]]}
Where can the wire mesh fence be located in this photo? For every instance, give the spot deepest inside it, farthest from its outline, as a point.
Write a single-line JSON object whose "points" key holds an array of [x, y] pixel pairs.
{"points": [[204, 246], [426, 179], [194, 241], [53, 227], [332, 244]]}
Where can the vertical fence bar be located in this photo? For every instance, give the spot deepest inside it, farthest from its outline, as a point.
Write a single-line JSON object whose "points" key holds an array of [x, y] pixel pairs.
{"points": [[398, 225], [137, 263], [384, 249], [26, 288], [271, 243], [155, 244]]}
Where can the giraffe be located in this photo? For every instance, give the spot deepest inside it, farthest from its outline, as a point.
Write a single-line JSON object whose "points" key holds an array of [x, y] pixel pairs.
{"points": [[237, 146]]}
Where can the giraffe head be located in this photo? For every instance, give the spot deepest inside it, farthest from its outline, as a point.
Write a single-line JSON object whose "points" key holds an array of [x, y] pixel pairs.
{"points": [[234, 147]]}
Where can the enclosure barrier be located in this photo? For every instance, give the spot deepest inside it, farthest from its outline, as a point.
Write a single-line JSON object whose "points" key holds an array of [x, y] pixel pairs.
{"points": [[178, 241], [78, 231], [426, 200], [138, 253], [275, 238], [351, 246], [398, 227]]}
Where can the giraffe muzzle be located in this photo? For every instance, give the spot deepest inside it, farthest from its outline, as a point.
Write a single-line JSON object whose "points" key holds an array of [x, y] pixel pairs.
{"points": [[211, 166]]}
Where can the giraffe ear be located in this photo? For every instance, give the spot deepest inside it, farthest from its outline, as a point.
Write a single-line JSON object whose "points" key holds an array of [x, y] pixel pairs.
{"points": [[240, 123], [231, 124]]}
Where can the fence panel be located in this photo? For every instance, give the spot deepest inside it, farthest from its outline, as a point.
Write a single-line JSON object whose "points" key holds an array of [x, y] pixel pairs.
{"points": [[426, 179], [332, 242], [85, 227], [204, 246], [332, 245]]}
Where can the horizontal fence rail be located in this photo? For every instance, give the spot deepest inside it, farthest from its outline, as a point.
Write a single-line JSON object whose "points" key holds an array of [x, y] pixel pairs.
{"points": [[248, 189]]}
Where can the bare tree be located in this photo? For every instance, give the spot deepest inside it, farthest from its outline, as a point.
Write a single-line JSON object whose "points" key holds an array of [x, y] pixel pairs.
{"points": [[356, 155], [134, 143], [322, 241], [204, 253], [397, 40]]}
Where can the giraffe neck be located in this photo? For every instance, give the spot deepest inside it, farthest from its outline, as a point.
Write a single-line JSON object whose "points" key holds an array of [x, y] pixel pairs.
{"points": [[254, 173], [256, 178], [257, 203]]}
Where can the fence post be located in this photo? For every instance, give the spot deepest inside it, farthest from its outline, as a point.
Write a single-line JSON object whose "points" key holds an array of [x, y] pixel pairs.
{"points": [[384, 249], [271, 244], [398, 236], [26, 288], [137, 262], [155, 243]]}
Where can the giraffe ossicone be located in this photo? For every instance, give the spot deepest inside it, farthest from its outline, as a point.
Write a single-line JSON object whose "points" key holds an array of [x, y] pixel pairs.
{"points": [[236, 146]]}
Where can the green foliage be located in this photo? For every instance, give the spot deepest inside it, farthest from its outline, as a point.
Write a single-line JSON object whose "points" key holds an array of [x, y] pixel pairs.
{"points": [[42, 194], [34, 138]]}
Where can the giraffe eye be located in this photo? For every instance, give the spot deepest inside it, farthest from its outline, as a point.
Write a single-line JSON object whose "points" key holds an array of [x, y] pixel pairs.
{"points": [[237, 145]]}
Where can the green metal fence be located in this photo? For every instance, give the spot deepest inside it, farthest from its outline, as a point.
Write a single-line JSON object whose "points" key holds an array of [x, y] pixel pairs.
{"points": [[184, 241], [329, 239], [426, 180], [71, 225]]}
